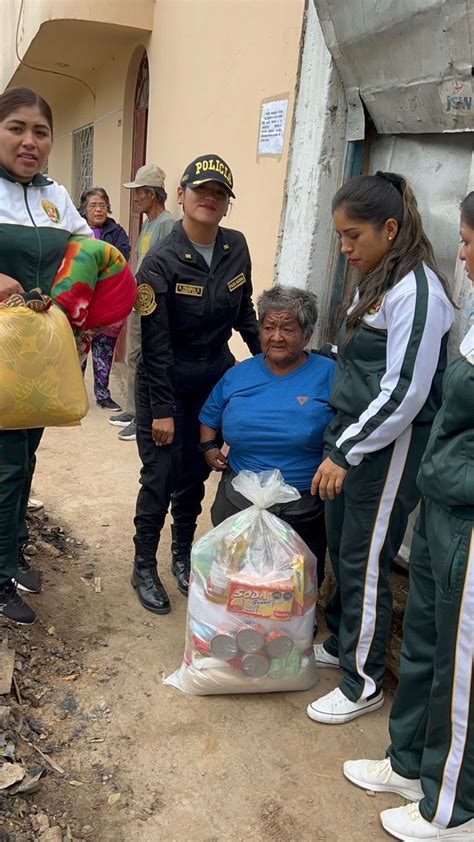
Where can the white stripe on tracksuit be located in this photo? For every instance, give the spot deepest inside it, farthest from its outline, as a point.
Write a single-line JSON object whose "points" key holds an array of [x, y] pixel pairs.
{"points": [[379, 534], [461, 698], [397, 317]]}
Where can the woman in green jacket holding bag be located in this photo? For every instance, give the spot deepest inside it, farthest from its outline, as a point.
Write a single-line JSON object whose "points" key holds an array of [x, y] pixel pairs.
{"points": [[37, 217]]}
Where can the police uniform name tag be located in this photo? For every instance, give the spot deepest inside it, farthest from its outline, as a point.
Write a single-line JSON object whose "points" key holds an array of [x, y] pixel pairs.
{"points": [[236, 282], [189, 289], [146, 301]]}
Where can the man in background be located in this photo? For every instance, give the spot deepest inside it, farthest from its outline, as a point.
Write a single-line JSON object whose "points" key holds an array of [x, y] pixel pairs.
{"points": [[150, 196]]}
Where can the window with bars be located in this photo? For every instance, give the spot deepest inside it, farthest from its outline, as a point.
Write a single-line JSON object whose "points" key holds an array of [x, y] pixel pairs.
{"points": [[83, 150]]}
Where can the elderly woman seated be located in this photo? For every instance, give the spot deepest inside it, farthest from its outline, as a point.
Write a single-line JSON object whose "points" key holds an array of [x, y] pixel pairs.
{"points": [[272, 411]]}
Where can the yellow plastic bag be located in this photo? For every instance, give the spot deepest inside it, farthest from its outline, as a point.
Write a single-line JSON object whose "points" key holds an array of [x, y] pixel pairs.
{"points": [[41, 383]]}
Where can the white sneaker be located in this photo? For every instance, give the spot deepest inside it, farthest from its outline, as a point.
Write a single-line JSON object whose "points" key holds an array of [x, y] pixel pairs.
{"points": [[378, 776], [408, 824], [335, 708], [35, 505], [323, 658]]}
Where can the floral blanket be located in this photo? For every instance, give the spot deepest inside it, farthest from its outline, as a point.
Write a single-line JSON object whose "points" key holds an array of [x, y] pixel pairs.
{"points": [[94, 284]]}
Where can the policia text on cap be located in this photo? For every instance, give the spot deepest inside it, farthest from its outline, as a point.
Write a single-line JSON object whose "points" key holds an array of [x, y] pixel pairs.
{"points": [[194, 288]]}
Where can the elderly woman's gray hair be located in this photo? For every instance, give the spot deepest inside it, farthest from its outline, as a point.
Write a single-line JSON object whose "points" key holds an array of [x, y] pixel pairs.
{"points": [[88, 194], [299, 302]]}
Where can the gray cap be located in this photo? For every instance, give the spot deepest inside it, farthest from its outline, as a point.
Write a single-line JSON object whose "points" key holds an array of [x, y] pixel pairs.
{"points": [[150, 175]]}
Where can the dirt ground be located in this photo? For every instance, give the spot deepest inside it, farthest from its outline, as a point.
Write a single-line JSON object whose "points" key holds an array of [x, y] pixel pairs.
{"points": [[140, 760]]}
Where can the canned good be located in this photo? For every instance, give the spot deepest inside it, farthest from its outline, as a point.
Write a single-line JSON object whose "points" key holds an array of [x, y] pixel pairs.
{"points": [[224, 646], [251, 639], [278, 644], [255, 666]]}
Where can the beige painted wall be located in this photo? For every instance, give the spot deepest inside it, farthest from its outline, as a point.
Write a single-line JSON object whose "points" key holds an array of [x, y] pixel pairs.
{"points": [[25, 17], [212, 62]]}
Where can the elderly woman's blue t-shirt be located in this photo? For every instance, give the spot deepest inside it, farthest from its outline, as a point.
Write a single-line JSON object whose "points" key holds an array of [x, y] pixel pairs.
{"points": [[270, 421]]}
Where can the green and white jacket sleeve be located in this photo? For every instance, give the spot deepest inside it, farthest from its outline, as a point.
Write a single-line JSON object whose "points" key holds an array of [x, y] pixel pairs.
{"points": [[417, 316]]}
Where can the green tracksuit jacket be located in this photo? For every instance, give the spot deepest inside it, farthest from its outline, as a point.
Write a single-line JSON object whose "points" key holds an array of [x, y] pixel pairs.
{"points": [[36, 221]]}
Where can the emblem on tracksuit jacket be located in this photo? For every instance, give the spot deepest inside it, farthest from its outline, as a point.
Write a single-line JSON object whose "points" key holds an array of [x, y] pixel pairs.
{"points": [[51, 210]]}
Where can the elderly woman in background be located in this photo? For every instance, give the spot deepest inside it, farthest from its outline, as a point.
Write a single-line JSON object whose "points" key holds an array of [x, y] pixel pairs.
{"points": [[95, 208], [272, 411]]}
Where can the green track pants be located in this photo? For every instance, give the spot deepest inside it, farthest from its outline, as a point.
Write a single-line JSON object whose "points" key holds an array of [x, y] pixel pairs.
{"points": [[17, 465], [365, 527], [432, 720]]}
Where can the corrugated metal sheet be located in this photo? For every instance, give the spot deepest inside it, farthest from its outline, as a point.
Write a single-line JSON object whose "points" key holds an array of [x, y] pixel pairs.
{"points": [[410, 61]]}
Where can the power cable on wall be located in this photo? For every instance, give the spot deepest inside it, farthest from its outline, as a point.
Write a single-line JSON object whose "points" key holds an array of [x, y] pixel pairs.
{"points": [[43, 69], [93, 123]]}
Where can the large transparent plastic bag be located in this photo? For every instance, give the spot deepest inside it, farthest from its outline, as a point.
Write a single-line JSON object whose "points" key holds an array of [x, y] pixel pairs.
{"points": [[252, 600], [41, 383]]}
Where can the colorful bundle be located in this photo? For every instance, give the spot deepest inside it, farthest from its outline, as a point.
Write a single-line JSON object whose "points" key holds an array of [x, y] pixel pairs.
{"points": [[94, 284]]}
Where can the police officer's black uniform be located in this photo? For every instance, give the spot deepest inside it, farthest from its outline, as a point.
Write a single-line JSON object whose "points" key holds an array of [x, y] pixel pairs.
{"points": [[188, 311]]}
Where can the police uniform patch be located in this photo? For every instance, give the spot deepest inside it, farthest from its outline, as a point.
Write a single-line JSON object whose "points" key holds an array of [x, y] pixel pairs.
{"points": [[51, 210], [189, 289], [236, 282], [146, 301]]}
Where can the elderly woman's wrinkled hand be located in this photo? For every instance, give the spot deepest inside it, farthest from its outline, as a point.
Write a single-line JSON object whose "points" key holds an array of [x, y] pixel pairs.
{"points": [[8, 286], [216, 459], [328, 480]]}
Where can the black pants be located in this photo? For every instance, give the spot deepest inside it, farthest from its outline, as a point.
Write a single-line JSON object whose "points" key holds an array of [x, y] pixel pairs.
{"points": [[174, 473], [308, 523], [17, 465]]}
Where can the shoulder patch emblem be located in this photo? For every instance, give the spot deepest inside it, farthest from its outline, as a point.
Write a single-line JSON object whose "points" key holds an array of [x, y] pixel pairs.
{"points": [[146, 301], [236, 282], [189, 289], [51, 210]]}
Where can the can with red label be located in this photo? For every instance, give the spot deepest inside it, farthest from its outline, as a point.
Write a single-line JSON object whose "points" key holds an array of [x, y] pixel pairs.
{"points": [[201, 645], [250, 639], [278, 644], [224, 645], [255, 666]]}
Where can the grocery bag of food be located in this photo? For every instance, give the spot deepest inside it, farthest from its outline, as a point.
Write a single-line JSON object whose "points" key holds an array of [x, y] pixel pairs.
{"points": [[252, 600], [40, 375]]}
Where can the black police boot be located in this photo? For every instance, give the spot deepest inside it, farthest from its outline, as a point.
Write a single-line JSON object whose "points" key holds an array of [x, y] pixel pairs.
{"points": [[147, 584], [181, 557], [12, 607], [27, 579]]}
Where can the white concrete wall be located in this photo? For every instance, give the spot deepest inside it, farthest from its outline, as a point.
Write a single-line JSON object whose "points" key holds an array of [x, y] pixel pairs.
{"points": [[307, 244]]}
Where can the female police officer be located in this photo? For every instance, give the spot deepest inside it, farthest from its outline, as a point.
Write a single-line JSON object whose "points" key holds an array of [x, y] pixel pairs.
{"points": [[193, 289]]}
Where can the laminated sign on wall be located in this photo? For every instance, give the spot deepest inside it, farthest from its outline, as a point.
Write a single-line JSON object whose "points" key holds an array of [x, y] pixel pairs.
{"points": [[272, 126]]}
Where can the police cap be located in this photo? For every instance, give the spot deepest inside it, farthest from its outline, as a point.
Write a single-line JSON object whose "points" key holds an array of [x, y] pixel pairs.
{"points": [[208, 168]]}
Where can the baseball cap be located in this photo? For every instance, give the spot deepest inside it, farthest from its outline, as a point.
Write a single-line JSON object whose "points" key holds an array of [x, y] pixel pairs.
{"points": [[208, 168], [148, 176]]}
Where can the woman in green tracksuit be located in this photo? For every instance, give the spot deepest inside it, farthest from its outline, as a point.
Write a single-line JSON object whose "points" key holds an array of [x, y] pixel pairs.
{"points": [[431, 759], [391, 356], [37, 217]]}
